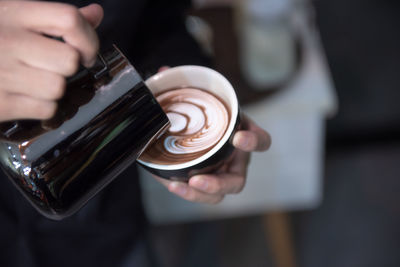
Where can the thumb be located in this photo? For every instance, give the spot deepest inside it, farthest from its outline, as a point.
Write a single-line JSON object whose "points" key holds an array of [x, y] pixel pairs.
{"points": [[93, 13], [252, 137]]}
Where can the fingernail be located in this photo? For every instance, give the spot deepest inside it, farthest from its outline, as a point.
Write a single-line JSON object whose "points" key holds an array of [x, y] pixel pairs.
{"points": [[200, 183], [178, 188]]}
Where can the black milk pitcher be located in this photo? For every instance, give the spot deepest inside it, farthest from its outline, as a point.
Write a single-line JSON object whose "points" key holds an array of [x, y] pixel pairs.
{"points": [[106, 118]]}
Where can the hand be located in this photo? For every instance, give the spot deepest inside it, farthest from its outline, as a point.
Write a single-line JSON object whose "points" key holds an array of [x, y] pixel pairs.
{"points": [[230, 178], [33, 67]]}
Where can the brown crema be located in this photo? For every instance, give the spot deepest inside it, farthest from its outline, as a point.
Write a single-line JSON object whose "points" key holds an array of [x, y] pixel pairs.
{"points": [[199, 120]]}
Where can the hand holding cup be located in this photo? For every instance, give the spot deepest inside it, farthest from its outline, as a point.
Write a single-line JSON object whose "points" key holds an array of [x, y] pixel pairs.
{"points": [[231, 177], [211, 174]]}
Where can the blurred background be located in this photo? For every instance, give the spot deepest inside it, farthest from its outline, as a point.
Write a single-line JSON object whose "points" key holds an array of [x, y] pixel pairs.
{"points": [[323, 78]]}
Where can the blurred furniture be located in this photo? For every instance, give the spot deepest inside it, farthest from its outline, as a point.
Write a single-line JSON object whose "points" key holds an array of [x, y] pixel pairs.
{"points": [[358, 223], [289, 176]]}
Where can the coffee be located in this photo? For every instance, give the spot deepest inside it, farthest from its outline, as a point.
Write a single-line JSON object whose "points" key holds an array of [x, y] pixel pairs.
{"points": [[199, 120]]}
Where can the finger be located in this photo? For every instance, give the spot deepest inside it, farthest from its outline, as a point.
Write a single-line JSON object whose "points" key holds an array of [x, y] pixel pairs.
{"points": [[253, 138], [24, 107], [184, 191], [232, 181], [163, 68], [246, 141], [35, 83], [239, 163], [47, 54], [221, 184], [64, 21], [93, 14]]}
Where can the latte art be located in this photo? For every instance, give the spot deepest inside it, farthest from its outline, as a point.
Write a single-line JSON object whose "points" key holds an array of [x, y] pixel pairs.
{"points": [[198, 122]]}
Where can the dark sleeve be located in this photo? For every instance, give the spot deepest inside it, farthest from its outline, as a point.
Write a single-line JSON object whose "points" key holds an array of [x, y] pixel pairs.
{"points": [[162, 38]]}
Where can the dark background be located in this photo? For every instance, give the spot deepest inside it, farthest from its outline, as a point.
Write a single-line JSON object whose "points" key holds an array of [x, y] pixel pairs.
{"points": [[359, 220]]}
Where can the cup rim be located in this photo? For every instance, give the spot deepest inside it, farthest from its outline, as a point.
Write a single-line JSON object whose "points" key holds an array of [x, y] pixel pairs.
{"points": [[232, 122]]}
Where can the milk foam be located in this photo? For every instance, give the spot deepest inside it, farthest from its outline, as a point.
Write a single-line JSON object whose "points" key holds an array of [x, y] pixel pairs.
{"points": [[198, 122]]}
